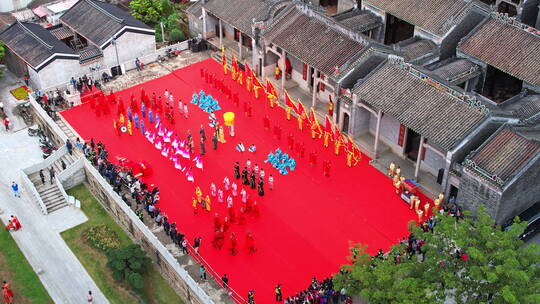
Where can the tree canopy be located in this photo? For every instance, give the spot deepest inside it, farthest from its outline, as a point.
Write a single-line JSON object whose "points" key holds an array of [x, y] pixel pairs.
{"points": [[148, 11], [129, 263], [469, 261]]}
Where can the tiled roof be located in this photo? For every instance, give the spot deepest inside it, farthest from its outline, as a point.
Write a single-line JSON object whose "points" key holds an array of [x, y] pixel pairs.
{"points": [[442, 118], [418, 49], [434, 16], [61, 32], [507, 48], [454, 69], [195, 9], [34, 44], [99, 21], [239, 13], [312, 41], [529, 107], [359, 21], [504, 155], [89, 53]]}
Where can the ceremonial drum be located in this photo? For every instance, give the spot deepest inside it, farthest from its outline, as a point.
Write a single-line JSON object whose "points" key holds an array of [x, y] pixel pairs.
{"points": [[228, 118]]}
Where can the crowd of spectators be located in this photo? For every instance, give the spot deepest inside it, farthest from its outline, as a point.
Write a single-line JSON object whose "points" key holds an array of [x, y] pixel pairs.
{"points": [[322, 292]]}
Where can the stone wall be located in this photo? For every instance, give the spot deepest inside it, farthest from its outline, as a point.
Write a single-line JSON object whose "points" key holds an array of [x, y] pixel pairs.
{"points": [[166, 264], [473, 192]]}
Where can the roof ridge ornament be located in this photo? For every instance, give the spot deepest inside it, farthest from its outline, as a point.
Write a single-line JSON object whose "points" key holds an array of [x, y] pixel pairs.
{"points": [[492, 177], [471, 101], [103, 11], [28, 31], [515, 23]]}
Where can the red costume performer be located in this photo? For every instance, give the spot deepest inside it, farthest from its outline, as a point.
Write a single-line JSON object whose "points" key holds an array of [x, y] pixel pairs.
{"points": [[290, 141], [255, 209], [232, 214], [225, 224], [217, 223], [242, 216], [313, 158], [7, 293], [266, 123], [326, 168], [236, 100], [250, 243], [217, 242], [233, 249]]}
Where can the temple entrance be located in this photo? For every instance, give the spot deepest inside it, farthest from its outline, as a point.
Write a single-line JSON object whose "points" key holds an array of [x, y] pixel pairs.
{"points": [[397, 30], [412, 145], [345, 123], [507, 8], [499, 86]]}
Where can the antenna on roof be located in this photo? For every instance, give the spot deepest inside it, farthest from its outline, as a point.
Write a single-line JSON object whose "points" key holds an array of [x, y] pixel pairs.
{"points": [[99, 8], [29, 32]]}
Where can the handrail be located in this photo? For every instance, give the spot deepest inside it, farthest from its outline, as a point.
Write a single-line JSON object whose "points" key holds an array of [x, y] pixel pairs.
{"points": [[31, 188], [48, 120], [235, 296], [56, 155]]}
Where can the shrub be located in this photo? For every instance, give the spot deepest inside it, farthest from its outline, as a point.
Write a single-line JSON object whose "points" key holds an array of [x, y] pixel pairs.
{"points": [[129, 263], [102, 237], [176, 35]]}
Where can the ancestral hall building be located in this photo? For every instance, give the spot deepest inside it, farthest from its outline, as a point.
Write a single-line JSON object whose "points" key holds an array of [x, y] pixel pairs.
{"points": [[92, 37], [450, 90]]}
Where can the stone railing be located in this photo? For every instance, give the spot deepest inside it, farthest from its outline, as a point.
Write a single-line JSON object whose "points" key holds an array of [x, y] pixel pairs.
{"points": [[46, 162], [48, 123], [73, 175], [29, 186], [165, 262]]}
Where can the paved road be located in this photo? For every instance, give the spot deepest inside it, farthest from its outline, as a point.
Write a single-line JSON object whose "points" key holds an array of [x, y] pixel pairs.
{"points": [[61, 273]]}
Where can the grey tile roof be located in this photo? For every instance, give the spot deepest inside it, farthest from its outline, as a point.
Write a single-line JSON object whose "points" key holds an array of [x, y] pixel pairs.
{"points": [[529, 106], [454, 69], [61, 32], [507, 48], [239, 13], [503, 155], [99, 21], [434, 16], [419, 49], [34, 44], [358, 20], [312, 41], [442, 118], [195, 9]]}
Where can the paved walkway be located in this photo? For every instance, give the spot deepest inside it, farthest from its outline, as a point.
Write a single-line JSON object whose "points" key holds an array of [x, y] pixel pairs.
{"points": [[59, 270]]}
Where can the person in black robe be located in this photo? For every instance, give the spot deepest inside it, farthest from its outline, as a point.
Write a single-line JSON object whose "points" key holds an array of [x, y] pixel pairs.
{"points": [[236, 170], [245, 180], [260, 187], [214, 141], [252, 180], [203, 148]]}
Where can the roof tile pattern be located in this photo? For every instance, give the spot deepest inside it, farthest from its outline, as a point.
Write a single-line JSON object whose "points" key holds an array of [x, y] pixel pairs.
{"points": [[312, 41], [435, 16], [33, 43], [440, 117], [454, 69], [507, 48], [505, 154], [239, 13], [98, 24]]}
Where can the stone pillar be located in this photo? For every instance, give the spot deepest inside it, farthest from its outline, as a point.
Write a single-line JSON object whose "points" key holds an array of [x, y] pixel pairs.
{"points": [[377, 134], [419, 158], [240, 46], [220, 34], [354, 112], [283, 76], [315, 84], [254, 56], [263, 74], [204, 23]]}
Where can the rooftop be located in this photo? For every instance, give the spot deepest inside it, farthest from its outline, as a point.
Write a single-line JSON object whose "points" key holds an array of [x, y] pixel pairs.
{"points": [[506, 45], [441, 114], [34, 44], [99, 21], [358, 20], [502, 156], [434, 16], [304, 36]]}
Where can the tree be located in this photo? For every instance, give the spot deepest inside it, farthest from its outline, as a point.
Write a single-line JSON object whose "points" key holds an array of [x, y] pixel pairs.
{"points": [[176, 35], [2, 54], [129, 263], [470, 261], [147, 11]]}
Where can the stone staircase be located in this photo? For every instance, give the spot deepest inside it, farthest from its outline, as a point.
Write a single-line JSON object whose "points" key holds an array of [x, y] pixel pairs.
{"points": [[49, 192], [67, 130]]}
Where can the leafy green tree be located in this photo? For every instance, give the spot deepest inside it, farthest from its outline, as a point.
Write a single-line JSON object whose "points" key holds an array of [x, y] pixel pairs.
{"points": [[129, 263], [497, 267], [176, 35], [147, 11], [2, 54]]}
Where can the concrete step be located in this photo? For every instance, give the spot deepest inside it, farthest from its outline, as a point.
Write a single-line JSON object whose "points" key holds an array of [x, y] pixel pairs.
{"points": [[51, 196]]}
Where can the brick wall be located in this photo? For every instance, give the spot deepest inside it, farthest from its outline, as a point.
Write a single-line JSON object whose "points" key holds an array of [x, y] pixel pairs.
{"points": [[472, 193]]}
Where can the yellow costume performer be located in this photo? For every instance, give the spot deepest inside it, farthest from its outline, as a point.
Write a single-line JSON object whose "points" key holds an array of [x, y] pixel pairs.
{"points": [[398, 171], [221, 135], [326, 139], [207, 201], [198, 194], [195, 205], [391, 169], [437, 203], [129, 127], [426, 208], [412, 199], [121, 120], [288, 112], [419, 212]]}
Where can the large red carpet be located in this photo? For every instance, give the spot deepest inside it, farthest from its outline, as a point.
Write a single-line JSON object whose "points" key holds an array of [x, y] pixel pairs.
{"points": [[306, 224]]}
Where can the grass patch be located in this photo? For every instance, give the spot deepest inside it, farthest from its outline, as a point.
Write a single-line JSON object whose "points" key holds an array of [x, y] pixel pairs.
{"points": [[20, 93], [15, 269], [156, 289]]}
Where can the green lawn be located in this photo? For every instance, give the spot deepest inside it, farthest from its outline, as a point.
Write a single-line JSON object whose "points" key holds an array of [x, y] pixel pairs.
{"points": [[94, 260], [15, 269]]}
